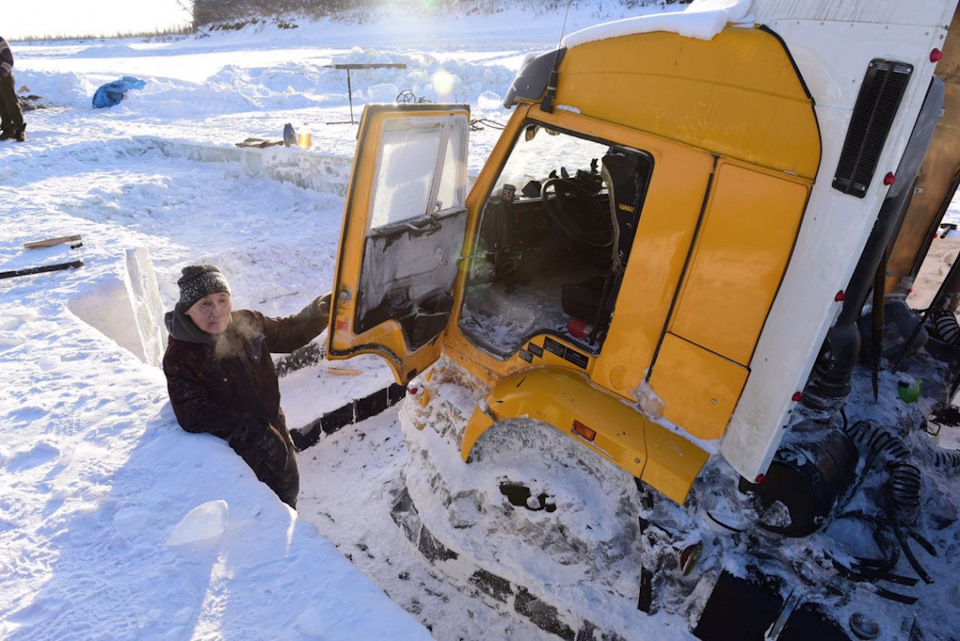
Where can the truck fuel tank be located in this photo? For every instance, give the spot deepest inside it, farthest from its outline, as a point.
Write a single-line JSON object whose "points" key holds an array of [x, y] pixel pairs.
{"points": [[806, 477]]}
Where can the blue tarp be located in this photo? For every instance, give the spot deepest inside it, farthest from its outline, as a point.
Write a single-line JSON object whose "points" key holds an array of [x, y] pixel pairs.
{"points": [[112, 93]]}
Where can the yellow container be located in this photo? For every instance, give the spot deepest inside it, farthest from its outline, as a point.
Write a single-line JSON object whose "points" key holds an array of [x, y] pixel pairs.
{"points": [[305, 140]]}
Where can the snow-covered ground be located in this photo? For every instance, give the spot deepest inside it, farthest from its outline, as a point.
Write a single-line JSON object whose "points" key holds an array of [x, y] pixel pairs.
{"points": [[98, 537]]}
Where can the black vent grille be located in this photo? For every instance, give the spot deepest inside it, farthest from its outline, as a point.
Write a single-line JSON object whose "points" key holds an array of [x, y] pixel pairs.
{"points": [[883, 87]]}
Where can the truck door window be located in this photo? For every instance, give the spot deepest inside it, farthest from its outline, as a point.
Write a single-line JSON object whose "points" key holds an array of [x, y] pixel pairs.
{"points": [[417, 221], [408, 183], [554, 239]]}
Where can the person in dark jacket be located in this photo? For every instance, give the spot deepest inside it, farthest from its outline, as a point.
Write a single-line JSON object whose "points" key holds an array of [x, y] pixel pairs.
{"points": [[11, 117], [222, 380]]}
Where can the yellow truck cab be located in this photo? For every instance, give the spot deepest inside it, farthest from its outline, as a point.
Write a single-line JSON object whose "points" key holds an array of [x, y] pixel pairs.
{"points": [[667, 258], [653, 254]]}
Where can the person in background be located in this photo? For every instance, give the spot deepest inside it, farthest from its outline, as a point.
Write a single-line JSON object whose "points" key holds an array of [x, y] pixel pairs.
{"points": [[222, 380], [11, 117]]}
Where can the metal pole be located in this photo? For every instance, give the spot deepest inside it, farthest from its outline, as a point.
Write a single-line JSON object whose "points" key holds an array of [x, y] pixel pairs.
{"points": [[39, 270], [350, 96]]}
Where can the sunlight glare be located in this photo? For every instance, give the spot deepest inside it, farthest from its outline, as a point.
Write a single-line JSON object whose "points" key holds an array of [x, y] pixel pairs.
{"points": [[443, 82]]}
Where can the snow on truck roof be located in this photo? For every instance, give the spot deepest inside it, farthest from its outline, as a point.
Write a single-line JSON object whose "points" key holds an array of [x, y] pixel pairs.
{"points": [[704, 19]]}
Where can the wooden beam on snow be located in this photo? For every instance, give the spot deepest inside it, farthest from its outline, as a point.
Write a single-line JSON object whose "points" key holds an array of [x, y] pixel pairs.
{"points": [[50, 242]]}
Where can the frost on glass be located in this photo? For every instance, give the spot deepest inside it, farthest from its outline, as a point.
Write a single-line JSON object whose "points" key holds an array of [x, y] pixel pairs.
{"points": [[408, 161], [416, 228], [408, 274], [451, 192], [421, 169]]}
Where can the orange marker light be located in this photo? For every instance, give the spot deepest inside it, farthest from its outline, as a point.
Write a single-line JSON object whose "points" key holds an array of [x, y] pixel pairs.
{"points": [[583, 431]]}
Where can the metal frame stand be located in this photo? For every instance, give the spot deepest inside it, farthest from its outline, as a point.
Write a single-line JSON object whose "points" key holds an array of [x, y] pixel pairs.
{"points": [[351, 66]]}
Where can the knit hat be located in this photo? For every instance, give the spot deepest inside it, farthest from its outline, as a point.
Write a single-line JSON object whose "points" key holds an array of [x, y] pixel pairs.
{"points": [[199, 281]]}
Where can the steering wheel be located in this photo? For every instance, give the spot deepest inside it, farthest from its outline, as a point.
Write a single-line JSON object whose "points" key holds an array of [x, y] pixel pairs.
{"points": [[590, 224]]}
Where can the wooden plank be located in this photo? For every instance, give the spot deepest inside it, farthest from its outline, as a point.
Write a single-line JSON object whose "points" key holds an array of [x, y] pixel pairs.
{"points": [[50, 242], [343, 371], [38, 270]]}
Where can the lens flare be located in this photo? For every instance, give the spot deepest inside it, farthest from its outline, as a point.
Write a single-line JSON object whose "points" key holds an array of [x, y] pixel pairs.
{"points": [[443, 82]]}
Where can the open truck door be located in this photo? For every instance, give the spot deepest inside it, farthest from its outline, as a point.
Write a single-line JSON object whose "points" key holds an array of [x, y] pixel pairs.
{"points": [[403, 229]]}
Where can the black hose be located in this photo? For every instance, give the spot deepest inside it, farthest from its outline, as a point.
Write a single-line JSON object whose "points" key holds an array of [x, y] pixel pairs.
{"points": [[946, 326], [878, 441], [947, 458], [914, 563], [905, 484]]}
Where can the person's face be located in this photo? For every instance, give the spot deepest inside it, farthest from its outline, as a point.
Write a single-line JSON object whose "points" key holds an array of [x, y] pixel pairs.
{"points": [[212, 313]]}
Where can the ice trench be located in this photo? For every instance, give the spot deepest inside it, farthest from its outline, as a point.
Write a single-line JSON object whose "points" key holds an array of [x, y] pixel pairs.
{"points": [[128, 309]]}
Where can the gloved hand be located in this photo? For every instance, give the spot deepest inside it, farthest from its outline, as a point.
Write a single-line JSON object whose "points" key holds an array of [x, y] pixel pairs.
{"points": [[249, 432], [274, 447], [321, 305], [317, 313]]}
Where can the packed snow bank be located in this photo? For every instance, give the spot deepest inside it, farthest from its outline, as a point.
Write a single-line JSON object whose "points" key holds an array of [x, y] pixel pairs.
{"points": [[98, 476], [97, 472]]}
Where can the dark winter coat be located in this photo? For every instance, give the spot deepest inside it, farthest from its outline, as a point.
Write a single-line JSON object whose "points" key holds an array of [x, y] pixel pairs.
{"points": [[227, 385], [6, 59], [11, 116]]}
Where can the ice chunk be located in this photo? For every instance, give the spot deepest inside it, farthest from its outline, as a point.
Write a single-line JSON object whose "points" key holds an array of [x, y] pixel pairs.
{"points": [[206, 521], [144, 293]]}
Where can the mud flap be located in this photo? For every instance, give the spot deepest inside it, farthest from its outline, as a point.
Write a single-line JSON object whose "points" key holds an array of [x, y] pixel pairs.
{"points": [[744, 609]]}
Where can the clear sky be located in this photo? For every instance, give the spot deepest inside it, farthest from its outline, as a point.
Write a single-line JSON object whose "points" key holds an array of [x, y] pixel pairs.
{"points": [[41, 18]]}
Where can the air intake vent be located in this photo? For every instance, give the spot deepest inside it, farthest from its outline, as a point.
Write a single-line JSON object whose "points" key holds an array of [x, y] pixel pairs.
{"points": [[877, 104]]}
